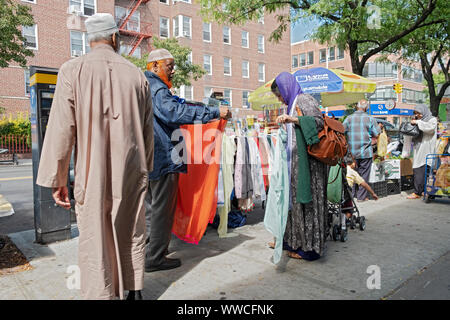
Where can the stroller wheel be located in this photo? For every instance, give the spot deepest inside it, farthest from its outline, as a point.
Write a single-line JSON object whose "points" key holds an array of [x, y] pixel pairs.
{"points": [[343, 235], [353, 221], [335, 234], [362, 223]]}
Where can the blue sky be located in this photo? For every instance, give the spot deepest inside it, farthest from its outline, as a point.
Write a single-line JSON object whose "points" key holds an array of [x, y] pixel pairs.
{"points": [[301, 29]]}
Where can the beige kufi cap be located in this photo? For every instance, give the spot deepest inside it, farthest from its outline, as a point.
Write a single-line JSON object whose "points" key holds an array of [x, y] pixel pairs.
{"points": [[101, 23], [159, 54]]}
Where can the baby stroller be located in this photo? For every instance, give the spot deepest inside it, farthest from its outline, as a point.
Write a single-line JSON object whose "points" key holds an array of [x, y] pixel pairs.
{"points": [[340, 202]]}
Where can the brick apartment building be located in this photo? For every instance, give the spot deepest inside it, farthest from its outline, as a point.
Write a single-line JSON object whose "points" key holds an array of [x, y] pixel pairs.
{"points": [[309, 54], [238, 59]]}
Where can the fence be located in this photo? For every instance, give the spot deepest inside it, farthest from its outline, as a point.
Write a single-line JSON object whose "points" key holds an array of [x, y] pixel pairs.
{"points": [[15, 144]]}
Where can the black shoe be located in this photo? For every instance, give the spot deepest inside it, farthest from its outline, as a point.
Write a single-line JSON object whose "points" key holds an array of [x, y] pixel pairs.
{"points": [[134, 295], [166, 265]]}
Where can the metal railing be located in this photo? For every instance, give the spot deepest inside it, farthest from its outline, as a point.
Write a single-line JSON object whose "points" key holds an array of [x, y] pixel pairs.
{"points": [[15, 144]]}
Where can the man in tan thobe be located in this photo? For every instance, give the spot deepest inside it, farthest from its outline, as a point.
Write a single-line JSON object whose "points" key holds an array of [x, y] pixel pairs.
{"points": [[103, 105]]}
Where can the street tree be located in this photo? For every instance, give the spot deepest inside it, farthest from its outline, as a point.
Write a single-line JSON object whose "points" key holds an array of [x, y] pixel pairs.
{"points": [[432, 47], [185, 69], [12, 16], [365, 28]]}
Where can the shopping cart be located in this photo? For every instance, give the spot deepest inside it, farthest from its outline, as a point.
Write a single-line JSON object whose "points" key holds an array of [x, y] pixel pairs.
{"points": [[437, 177]]}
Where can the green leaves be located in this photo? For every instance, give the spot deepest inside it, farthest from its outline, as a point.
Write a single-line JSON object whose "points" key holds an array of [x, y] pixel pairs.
{"points": [[12, 16], [185, 70]]}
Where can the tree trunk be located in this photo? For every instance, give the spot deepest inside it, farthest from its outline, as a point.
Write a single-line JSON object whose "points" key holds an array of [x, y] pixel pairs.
{"points": [[357, 67], [434, 105]]}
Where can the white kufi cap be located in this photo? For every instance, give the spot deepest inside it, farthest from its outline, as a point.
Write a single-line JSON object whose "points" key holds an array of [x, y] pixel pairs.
{"points": [[159, 54]]}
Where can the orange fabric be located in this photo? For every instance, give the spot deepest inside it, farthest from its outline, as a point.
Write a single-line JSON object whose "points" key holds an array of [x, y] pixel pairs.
{"points": [[197, 196]]}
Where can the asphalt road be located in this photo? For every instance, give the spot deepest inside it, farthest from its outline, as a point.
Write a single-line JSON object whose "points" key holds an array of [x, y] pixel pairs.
{"points": [[16, 185]]}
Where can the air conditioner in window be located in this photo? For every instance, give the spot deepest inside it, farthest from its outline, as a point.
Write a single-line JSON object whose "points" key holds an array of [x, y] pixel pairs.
{"points": [[77, 53], [186, 34], [75, 9]]}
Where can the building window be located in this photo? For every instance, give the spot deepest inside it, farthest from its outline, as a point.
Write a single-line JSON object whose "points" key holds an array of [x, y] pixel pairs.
{"points": [[295, 61], [380, 70], [185, 1], [133, 24], [27, 82], [164, 27], [79, 44], [227, 35], [227, 66], [207, 64], [187, 92], [412, 74], [85, 7], [383, 94], [261, 72], [186, 26], [206, 32], [164, 1], [340, 53], [31, 37], [332, 54], [227, 95], [125, 49], [176, 28], [412, 96], [245, 39], [323, 55], [245, 69], [29, 1], [261, 16], [260, 43], [207, 92], [311, 57], [302, 59], [245, 103]]}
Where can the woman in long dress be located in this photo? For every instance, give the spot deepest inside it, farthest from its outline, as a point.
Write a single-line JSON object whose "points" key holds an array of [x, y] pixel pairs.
{"points": [[307, 225], [423, 144]]}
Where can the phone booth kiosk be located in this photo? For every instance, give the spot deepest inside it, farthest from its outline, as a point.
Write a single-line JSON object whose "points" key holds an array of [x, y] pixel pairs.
{"points": [[52, 223]]}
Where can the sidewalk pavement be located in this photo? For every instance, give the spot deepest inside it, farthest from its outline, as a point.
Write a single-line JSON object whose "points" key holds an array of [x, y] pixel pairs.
{"points": [[402, 237], [21, 162]]}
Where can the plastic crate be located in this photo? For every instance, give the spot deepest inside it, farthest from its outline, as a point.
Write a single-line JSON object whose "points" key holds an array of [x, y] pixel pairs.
{"points": [[380, 188], [406, 183], [393, 186]]}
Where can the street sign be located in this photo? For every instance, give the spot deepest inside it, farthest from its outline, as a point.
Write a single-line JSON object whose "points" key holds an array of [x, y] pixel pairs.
{"points": [[381, 109]]}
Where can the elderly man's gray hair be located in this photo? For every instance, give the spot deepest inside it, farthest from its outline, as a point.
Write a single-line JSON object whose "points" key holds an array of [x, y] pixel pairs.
{"points": [[363, 104], [106, 35]]}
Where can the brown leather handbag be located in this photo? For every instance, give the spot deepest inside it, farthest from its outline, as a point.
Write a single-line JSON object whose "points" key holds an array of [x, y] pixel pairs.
{"points": [[332, 145]]}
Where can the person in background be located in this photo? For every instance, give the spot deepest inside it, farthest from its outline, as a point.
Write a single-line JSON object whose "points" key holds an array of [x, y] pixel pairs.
{"points": [[103, 106], [353, 177], [170, 113], [423, 144], [360, 128]]}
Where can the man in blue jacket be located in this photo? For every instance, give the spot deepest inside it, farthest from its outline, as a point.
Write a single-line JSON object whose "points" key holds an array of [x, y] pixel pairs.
{"points": [[169, 113]]}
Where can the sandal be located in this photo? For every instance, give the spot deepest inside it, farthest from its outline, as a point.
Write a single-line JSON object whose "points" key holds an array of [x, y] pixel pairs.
{"points": [[413, 196], [271, 245], [294, 255]]}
